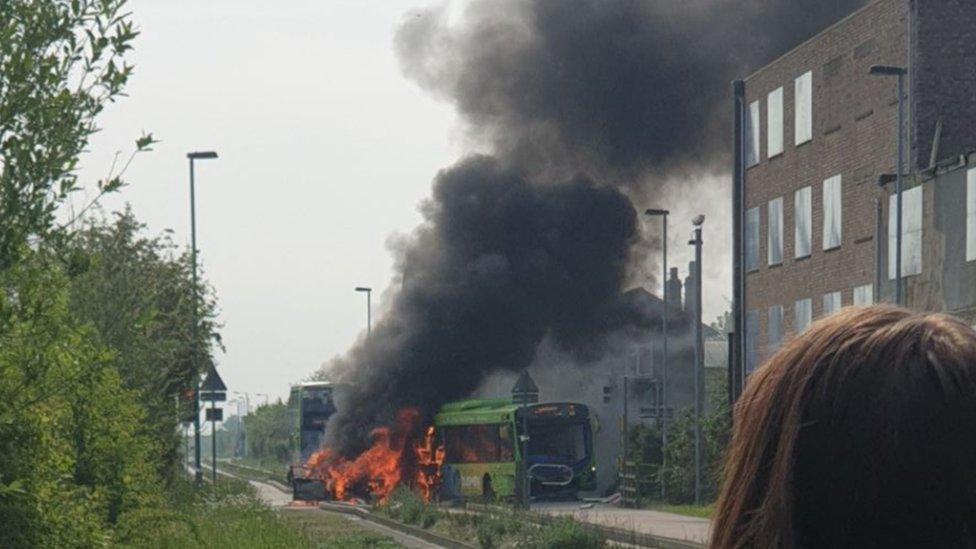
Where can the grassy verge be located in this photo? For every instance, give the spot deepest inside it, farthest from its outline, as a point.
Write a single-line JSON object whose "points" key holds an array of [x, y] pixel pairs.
{"points": [[227, 516], [334, 531], [689, 510], [254, 471], [489, 530]]}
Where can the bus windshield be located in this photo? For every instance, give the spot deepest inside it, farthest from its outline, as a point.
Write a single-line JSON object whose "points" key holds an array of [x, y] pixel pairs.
{"points": [[557, 441], [491, 443]]}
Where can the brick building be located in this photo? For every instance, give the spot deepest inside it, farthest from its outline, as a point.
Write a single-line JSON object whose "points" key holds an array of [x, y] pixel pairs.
{"points": [[815, 132]]}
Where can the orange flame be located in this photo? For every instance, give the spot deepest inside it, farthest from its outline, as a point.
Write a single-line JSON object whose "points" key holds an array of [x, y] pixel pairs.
{"points": [[380, 468]]}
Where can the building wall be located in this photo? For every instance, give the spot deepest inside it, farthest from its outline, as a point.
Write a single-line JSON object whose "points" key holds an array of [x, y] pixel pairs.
{"points": [[854, 121]]}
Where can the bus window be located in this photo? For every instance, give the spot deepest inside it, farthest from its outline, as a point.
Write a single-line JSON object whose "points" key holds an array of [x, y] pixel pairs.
{"points": [[477, 443], [565, 442]]}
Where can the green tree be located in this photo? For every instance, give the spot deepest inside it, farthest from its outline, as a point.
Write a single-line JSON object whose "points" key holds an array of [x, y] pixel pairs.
{"points": [[71, 454], [137, 293], [270, 433], [61, 62]]}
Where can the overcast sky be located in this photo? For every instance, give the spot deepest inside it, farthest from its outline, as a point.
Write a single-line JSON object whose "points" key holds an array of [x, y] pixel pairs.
{"points": [[325, 152]]}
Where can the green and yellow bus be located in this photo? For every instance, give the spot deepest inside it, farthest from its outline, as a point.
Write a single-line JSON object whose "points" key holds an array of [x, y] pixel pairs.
{"points": [[482, 454]]}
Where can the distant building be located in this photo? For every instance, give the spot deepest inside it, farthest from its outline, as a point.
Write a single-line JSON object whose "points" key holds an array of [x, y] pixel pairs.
{"points": [[817, 134]]}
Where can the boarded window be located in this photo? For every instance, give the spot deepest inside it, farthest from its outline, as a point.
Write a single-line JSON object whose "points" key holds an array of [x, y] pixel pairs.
{"points": [[774, 123], [864, 295], [802, 314], [803, 123], [831, 303], [752, 348], [832, 226], [911, 232], [752, 239], [774, 328], [774, 244], [752, 135], [971, 215], [803, 233]]}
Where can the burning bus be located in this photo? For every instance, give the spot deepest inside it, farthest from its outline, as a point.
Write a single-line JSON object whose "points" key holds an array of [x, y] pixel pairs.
{"points": [[482, 454], [311, 404]]}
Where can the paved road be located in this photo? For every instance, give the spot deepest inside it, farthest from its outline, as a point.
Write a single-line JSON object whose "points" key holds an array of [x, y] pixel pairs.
{"points": [[657, 523]]}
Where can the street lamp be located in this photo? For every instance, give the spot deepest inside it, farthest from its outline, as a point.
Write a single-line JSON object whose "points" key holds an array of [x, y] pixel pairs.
{"points": [[369, 314], [193, 156], [663, 214], [900, 72], [696, 241]]}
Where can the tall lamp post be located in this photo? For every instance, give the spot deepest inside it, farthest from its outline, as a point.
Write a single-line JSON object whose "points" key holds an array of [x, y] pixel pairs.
{"points": [[900, 72], [193, 156], [699, 351], [369, 313], [663, 214]]}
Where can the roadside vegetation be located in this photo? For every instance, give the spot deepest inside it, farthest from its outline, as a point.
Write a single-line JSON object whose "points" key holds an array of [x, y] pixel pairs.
{"points": [[489, 530]]}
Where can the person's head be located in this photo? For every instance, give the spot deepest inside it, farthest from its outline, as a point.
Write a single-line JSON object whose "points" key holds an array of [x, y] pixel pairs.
{"points": [[858, 432]]}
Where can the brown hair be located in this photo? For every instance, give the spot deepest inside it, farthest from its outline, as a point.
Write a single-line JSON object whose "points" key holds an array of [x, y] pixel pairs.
{"points": [[859, 432]]}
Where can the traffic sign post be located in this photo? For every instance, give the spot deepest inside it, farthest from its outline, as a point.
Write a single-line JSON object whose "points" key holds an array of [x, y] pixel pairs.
{"points": [[214, 390], [525, 392]]}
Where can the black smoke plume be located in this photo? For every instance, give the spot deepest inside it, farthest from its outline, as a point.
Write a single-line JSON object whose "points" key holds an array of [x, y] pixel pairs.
{"points": [[585, 106]]}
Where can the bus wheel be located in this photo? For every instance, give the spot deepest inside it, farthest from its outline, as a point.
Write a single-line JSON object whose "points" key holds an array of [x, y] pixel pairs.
{"points": [[487, 491]]}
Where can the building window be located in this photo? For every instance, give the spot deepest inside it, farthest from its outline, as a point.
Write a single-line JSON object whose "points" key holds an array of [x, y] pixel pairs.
{"points": [[911, 232], [752, 135], [774, 240], [752, 330], [832, 226], [804, 108], [752, 239], [774, 328], [802, 314], [774, 122], [802, 204], [864, 295], [971, 215], [831, 303]]}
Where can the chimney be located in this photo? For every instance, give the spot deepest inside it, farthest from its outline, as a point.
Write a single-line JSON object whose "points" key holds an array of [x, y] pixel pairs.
{"points": [[690, 282], [674, 290]]}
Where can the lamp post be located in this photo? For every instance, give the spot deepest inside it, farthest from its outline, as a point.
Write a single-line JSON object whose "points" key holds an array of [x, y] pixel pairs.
{"points": [[663, 214], [699, 351], [900, 72], [266, 397], [193, 156], [369, 314]]}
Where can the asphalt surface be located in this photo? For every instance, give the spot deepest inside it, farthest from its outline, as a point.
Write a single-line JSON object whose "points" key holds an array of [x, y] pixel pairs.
{"points": [[656, 523]]}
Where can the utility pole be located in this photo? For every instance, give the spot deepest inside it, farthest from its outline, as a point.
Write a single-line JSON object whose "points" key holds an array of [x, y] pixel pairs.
{"points": [[194, 351], [699, 353], [664, 344]]}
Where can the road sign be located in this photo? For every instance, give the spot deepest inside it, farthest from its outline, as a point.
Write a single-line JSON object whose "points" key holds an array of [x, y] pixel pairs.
{"points": [[215, 414], [525, 391], [213, 396], [213, 382]]}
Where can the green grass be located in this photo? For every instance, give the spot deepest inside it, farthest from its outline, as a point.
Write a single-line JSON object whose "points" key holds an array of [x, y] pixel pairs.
{"points": [[229, 516], [256, 470], [689, 510]]}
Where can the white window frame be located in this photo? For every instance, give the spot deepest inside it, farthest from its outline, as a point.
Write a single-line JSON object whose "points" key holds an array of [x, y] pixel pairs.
{"points": [[776, 311], [911, 232], [774, 232], [802, 210], [833, 212], [774, 123], [752, 229], [753, 129], [803, 111], [752, 341], [864, 295], [802, 314], [971, 214], [832, 302]]}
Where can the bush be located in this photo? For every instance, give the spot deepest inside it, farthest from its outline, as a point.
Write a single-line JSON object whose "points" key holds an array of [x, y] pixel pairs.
{"points": [[407, 507], [563, 533]]}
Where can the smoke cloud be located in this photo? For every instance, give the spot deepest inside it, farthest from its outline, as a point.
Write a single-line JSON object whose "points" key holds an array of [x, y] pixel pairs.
{"points": [[586, 107]]}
